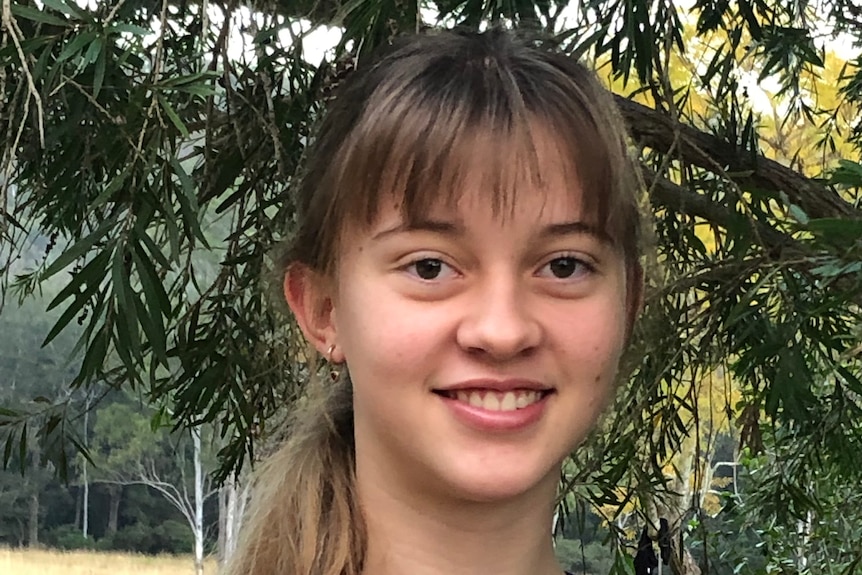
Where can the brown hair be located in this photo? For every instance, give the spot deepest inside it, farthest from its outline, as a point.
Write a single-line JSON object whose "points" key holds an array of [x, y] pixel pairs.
{"points": [[410, 124]]}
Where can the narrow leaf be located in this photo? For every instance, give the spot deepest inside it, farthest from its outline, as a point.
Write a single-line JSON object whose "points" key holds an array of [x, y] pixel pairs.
{"points": [[79, 249], [30, 13], [174, 118]]}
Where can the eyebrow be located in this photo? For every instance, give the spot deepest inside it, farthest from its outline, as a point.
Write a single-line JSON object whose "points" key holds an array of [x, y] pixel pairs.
{"points": [[575, 227], [457, 229], [424, 225]]}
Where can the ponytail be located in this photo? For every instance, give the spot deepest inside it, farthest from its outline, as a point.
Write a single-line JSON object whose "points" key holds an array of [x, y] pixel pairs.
{"points": [[304, 518]]}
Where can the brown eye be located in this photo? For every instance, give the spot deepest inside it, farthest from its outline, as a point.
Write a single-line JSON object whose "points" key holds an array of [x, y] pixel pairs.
{"points": [[428, 268], [567, 267], [563, 267]]}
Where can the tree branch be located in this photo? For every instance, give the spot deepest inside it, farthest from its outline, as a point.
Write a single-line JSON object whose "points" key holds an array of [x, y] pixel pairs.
{"points": [[664, 192], [653, 129]]}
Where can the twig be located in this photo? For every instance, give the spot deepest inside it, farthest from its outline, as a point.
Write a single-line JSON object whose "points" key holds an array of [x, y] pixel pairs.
{"points": [[15, 33], [113, 12], [157, 70]]}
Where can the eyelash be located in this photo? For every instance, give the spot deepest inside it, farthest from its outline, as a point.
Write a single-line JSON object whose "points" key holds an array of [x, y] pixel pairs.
{"points": [[411, 267], [582, 267]]}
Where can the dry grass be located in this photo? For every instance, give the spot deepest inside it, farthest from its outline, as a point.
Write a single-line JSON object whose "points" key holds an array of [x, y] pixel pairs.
{"points": [[53, 562]]}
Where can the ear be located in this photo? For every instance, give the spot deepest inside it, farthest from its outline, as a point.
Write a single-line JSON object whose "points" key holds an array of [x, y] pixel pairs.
{"points": [[310, 297], [634, 296]]}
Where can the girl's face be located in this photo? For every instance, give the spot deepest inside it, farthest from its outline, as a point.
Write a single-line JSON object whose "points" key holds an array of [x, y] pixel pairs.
{"points": [[482, 347]]}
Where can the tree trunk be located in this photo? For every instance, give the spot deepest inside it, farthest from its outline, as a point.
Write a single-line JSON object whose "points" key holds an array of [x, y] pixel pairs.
{"points": [[34, 483], [115, 492], [222, 524], [77, 508], [85, 528], [33, 527], [229, 516], [236, 498], [199, 504], [240, 514]]}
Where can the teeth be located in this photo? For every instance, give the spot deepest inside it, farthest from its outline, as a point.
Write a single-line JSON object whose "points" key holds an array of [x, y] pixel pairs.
{"points": [[509, 402], [494, 401], [491, 402]]}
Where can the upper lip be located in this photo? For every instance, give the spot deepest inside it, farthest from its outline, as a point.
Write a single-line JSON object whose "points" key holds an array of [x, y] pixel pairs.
{"points": [[502, 385]]}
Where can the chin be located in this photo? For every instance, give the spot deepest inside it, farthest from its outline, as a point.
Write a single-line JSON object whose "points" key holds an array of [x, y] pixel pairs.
{"points": [[490, 487]]}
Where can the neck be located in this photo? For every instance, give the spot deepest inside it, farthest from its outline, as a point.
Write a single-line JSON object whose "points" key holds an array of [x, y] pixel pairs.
{"points": [[408, 534]]}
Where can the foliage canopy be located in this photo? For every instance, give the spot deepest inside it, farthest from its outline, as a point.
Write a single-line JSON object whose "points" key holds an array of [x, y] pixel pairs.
{"points": [[153, 144]]}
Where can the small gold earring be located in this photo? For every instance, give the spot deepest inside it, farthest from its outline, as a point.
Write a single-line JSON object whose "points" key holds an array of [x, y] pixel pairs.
{"points": [[334, 372]]}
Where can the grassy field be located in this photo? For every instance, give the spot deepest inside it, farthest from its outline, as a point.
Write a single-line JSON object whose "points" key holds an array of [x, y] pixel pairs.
{"points": [[53, 562]]}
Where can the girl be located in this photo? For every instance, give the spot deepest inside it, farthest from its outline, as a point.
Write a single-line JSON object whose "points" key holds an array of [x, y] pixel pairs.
{"points": [[468, 255]]}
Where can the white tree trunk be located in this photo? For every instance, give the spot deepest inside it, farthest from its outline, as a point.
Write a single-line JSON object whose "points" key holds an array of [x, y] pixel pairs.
{"points": [[199, 503], [232, 519], [85, 528], [189, 502], [233, 498], [85, 523], [222, 518]]}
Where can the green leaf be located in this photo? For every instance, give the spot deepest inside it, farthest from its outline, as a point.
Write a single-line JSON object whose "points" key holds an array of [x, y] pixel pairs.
{"points": [[798, 214], [93, 51], [151, 283], [172, 115], [72, 311], [176, 81], [127, 331], [94, 357], [159, 419], [154, 250], [188, 201], [81, 448], [79, 249], [848, 173], [129, 28], [36, 15], [843, 230], [203, 90], [99, 74], [42, 64], [7, 450], [76, 45], [157, 304], [155, 336], [69, 9], [22, 446], [91, 274], [115, 184]]}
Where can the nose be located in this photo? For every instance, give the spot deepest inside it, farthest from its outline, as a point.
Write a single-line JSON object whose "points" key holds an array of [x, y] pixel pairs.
{"points": [[499, 323]]}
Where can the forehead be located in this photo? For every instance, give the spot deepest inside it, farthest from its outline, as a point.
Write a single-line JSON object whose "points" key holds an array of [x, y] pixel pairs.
{"points": [[535, 173]]}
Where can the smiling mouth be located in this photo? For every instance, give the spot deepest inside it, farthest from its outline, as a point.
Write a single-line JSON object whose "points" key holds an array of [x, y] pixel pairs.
{"points": [[496, 400]]}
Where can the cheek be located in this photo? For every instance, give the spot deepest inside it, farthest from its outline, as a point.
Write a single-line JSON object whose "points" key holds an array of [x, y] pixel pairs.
{"points": [[382, 335], [595, 340]]}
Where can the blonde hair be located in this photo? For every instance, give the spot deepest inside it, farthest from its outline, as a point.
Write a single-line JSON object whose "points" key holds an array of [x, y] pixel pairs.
{"points": [[409, 124], [304, 518]]}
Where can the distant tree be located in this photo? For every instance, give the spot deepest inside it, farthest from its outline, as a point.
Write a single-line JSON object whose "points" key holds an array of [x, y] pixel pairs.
{"points": [[122, 444], [187, 486], [130, 448], [34, 380], [143, 140]]}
